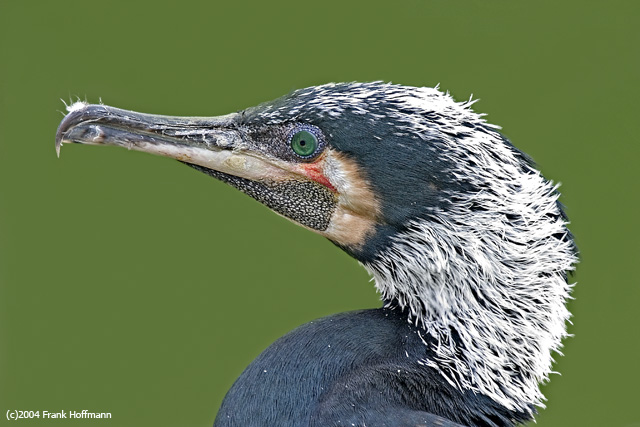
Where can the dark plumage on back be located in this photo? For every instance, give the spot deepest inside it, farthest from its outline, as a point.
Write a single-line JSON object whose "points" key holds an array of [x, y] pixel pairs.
{"points": [[359, 368]]}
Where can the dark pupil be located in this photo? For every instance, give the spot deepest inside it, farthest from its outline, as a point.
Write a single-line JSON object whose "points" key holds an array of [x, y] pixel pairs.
{"points": [[303, 142]]}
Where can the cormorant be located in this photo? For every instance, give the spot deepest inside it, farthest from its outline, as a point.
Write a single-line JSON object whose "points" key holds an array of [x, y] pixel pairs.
{"points": [[466, 241]]}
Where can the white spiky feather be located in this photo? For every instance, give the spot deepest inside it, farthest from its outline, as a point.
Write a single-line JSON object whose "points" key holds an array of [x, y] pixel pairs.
{"points": [[490, 268], [499, 283]]}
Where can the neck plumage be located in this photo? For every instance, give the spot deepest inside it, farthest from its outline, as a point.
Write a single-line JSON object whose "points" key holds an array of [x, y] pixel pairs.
{"points": [[487, 281]]}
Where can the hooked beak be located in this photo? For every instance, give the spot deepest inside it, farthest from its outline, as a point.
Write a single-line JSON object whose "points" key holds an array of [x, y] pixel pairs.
{"points": [[345, 210], [212, 143]]}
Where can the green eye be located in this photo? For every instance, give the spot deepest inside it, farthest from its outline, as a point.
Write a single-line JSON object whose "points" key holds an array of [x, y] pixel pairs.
{"points": [[304, 143]]}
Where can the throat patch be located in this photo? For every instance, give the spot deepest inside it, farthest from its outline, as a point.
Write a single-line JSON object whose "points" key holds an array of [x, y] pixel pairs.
{"points": [[305, 202]]}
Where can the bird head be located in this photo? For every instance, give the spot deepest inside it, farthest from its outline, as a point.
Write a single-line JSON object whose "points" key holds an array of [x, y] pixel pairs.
{"points": [[352, 162], [456, 226]]}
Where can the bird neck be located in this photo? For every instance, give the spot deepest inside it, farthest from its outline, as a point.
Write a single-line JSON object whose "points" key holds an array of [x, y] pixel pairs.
{"points": [[489, 290]]}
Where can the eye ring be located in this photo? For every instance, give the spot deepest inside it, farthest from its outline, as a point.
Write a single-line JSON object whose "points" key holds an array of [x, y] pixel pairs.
{"points": [[304, 143]]}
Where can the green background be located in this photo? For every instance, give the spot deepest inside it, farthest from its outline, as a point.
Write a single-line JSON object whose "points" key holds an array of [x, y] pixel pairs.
{"points": [[134, 285]]}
